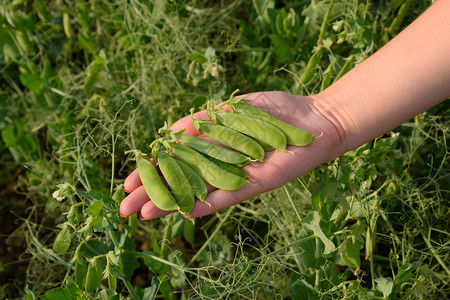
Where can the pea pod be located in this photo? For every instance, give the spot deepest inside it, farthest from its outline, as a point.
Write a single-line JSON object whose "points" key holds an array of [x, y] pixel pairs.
{"points": [[230, 168], [153, 184], [265, 146], [94, 275], [349, 63], [197, 184], [213, 150], [395, 25], [63, 240], [177, 181], [230, 138], [254, 127], [328, 73], [325, 24], [294, 135], [310, 69], [209, 171]]}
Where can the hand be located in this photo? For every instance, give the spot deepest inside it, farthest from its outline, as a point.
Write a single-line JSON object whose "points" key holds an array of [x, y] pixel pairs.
{"points": [[278, 168]]}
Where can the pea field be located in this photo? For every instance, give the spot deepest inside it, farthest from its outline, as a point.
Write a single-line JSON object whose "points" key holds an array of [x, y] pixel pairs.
{"points": [[83, 82]]}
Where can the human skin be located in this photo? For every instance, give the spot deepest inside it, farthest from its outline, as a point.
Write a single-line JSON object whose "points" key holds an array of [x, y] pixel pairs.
{"points": [[404, 78]]}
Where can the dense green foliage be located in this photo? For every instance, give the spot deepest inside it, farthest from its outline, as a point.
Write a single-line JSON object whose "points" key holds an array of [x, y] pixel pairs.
{"points": [[81, 82]]}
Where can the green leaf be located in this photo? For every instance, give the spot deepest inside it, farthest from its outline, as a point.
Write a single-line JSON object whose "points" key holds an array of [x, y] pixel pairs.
{"points": [[189, 232], [9, 137], [301, 289], [3, 36], [150, 292], [282, 49], [95, 208], [129, 263], [351, 255], [92, 248], [322, 199], [312, 222], [162, 281], [32, 82], [9, 46], [108, 294], [177, 228], [156, 266], [113, 267], [57, 294], [261, 7], [80, 272], [405, 274], [308, 255], [154, 241], [384, 285]]}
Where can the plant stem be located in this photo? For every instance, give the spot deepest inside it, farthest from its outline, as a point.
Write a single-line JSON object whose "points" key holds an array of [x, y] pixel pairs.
{"points": [[212, 236], [167, 233], [292, 203], [130, 288]]}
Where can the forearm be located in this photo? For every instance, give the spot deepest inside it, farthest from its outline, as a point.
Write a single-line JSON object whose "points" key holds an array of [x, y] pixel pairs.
{"points": [[407, 76]]}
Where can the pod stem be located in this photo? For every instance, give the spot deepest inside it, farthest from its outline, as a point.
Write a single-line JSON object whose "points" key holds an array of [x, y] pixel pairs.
{"points": [[212, 111], [197, 122], [233, 100], [137, 153]]}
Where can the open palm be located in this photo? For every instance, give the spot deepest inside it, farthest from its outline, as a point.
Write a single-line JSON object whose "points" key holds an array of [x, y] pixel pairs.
{"points": [[278, 168]]}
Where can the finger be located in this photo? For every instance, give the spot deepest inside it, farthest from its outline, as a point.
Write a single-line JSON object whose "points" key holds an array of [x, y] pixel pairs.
{"points": [[132, 182], [185, 123], [150, 211], [133, 202]]}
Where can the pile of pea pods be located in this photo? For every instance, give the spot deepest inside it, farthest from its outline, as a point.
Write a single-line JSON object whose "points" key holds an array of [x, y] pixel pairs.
{"points": [[188, 163]]}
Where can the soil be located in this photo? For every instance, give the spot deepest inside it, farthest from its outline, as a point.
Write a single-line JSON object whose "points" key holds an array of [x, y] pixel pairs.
{"points": [[13, 259]]}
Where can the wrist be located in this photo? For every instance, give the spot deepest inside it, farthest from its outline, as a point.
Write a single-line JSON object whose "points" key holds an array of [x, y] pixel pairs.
{"points": [[336, 125]]}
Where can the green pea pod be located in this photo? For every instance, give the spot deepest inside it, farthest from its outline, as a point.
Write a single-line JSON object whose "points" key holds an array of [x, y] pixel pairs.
{"points": [[80, 273], [294, 135], [94, 275], [213, 150], [231, 138], [254, 127], [328, 73], [63, 240], [230, 168], [325, 23], [402, 12], [349, 63], [154, 186], [265, 146], [177, 181], [310, 68], [209, 171], [197, 184], [67, 26]]}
